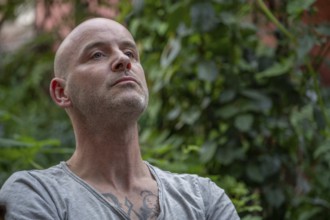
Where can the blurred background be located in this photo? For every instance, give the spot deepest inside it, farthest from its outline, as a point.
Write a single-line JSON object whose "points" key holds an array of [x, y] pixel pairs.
{"points": [[239, 92]]}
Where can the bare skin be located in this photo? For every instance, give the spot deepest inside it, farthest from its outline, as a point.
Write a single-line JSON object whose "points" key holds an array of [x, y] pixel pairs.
{"points": [[100, 83]]}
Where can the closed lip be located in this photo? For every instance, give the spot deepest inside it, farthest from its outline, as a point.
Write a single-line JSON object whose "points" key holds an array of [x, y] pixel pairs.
{"points": [[125, 79]]}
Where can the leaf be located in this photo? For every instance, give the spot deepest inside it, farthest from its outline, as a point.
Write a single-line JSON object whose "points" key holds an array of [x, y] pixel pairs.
{"points": [[244, 122], [322, 150], [296, 7], [303, 122], [227, 111], [275, 196], [262, 100], [227, 153], [5, 116], [207, 151], [13, 143], [254, 173], [39, 71], [134, 26], [174, 113], [203, 16], [191, 116], [319, 118], [323, 29], [277, 69], [207, 70], [311, 213], [227, 95], [178, 10], [170, 52], [228, 18], [305, 45], [138, 6]]}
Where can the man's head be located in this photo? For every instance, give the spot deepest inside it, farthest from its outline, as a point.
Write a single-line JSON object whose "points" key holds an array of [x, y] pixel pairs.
{"points": [[98, 72]]}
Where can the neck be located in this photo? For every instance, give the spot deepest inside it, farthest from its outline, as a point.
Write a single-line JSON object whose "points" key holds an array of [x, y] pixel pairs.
{"points": [[110, 156]]}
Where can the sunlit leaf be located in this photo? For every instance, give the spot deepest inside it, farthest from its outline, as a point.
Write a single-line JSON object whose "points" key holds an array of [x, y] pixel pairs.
{"points": [[207, 151], [296, 7], [207, 70], [170, 52], [277, 69]]}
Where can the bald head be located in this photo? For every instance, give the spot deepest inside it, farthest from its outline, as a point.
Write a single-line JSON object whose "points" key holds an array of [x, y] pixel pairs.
{"points": [[69, 48]]}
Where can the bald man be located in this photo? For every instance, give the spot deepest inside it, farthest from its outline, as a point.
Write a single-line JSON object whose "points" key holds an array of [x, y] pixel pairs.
{"points": [[100, 83]]}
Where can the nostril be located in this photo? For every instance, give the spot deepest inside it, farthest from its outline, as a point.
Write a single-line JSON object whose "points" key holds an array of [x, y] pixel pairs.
{"points": [[119, 66]]}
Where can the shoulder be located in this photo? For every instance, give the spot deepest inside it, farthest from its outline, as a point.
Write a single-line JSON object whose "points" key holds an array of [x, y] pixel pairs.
{"points": [[30, 181], [216, 204], [31, 177], [188, 181], [36, 188]]}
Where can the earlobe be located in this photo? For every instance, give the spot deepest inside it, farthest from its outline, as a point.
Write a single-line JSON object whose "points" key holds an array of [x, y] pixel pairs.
{"points": [[57, 92]]}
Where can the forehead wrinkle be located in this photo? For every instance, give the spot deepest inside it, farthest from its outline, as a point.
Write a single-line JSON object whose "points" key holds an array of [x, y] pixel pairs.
{"points": [[129, 44], [105, 43]]}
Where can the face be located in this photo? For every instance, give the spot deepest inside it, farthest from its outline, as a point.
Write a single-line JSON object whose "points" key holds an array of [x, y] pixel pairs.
{"points": [[104, 74]]}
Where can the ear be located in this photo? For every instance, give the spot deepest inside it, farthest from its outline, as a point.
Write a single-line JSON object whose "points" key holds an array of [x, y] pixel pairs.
{"points": [[58, 94]]}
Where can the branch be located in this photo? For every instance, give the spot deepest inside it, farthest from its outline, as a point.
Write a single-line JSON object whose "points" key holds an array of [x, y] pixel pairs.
{"points": [[272, 18]]}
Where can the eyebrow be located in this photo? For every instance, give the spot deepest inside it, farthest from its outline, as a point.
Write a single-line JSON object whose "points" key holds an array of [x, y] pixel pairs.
{"points": [[91, 45], [127, 43]]}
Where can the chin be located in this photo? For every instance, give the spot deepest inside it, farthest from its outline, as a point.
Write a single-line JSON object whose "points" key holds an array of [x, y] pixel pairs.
{"points": [[131, 105]]}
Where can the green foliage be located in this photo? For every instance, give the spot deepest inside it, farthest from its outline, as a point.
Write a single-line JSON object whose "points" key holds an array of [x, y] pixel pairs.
{"points": [[30, 124], [254, 118], [250, 112], [23, 154]]}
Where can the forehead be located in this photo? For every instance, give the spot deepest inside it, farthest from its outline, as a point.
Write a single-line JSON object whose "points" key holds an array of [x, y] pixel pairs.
{"points": [[100, 30]]}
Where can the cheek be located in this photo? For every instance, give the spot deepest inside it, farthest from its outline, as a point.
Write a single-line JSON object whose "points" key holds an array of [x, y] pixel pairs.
{"points": [[78, 87], [141, 75], [74, 91], [86, 77]]}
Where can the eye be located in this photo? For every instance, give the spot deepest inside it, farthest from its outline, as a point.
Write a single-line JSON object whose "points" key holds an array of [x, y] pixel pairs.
{"points": [[129, 54], [97, 55]]}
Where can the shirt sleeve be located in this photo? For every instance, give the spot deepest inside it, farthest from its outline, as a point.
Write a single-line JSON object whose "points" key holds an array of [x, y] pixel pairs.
{"points": [[217, 203], [25, 198]]}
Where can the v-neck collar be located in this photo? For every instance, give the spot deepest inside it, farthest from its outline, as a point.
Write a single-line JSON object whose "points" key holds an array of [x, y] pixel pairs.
{"points": [[102, 198]]}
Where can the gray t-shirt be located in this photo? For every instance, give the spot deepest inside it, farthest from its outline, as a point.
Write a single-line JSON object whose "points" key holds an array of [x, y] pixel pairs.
{"points": [[57, 193]]}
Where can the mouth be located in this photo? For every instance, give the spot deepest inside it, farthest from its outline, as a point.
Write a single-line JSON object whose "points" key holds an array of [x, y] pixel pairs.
{"points": [[125, 79]]}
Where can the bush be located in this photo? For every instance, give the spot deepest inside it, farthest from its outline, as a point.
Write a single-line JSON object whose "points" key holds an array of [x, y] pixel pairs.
{"points": [[223, 104]]}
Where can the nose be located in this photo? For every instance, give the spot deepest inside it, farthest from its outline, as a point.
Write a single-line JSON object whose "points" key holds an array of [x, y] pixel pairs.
{"points": [[121, 63]]}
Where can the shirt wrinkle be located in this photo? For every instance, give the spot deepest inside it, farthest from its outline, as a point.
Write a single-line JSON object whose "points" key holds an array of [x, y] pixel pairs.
{"points": [[58, 193]]}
